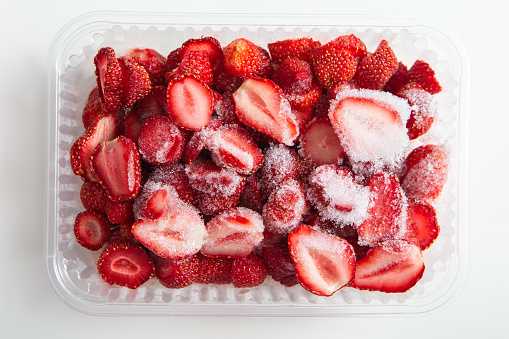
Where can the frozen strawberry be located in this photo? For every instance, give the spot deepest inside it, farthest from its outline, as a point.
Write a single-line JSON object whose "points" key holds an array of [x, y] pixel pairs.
{"points": [[393, 266], [285, 207], [333, 64], [136, 81], [233, 147], [93, 196], [422, 74], [154, 199], [233, 233], [104, 128], [176, 177], [279, 265], [195, 64], [323, 262], [119, 211], [260, 104], [425, 175], [214, 270], [212, 203], [347, 86], [205, 176], [371, 126], [319, 144], [336, 195], [92, 230], [280, 163], [304, 101], [110, 78], [93, 108], [422, 226], [251, 196], [242, 58], [398, 79], [376, 69], [302, 117], [387, 211], [199, 140], [225, 110], [152, 104], [177, 273], [116, 165], [210, 46], [178, 233], [153, 62], [189, 103], [160, 141], [249, 271], [292, 48], [424, 109], [123, 263]]}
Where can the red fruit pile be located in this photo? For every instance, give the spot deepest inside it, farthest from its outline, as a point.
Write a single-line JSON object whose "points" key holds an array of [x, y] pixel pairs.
{"points": [[228, 164]]}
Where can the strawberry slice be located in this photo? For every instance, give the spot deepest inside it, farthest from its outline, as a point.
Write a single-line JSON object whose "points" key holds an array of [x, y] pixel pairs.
{"points": [[371, 126], [292, 48], [205, 176], [233, 233], [199, 139], [178, 233], [375, 70], [160, 141], [152, 61], [214, 270], [92, 230], [387, 211], [232, 147], [249, 271], [319, 144], [279, 265], [110, 78], [422, 226], [189, 103], [154, 199], [176, 177], [425, 175], [422, 74], [116, 165], [260, 104], [104, 128], [323, 262], [393, 266], [177, 273], [123, 263], [93, 196]]}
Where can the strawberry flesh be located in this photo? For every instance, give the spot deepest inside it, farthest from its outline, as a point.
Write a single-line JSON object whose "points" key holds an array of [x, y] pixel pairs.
{"points": [[92, 230]]}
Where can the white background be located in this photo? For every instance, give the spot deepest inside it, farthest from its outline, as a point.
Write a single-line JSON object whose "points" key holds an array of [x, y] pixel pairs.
{"points": [[29, 308]]}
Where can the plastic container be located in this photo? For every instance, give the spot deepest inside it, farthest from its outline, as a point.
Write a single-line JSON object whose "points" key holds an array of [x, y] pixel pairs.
{"points": [[71, 269]]}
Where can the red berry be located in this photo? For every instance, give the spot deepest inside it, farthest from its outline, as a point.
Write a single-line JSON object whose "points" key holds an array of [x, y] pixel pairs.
{"points": [[248, 272], [92, 230]]}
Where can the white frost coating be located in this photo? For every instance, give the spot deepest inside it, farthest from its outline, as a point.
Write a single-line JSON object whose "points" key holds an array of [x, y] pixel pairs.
{"points": [[148, 190], [225, 182], [131, 162], [161, 154], [217, 142], [286, 111], [421, 101]]}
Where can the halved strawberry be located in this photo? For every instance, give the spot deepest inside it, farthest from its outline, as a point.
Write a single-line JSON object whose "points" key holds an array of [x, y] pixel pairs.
{"points": [[189, 103], [195, 64], [199, 139], [285, 207], [387, 211], [375, 70], [333, 64], [119, 211], [422, 226], [177, 273], [393, 266], [154, 199], [292, 48], [104, 128], [319, 144], [123, 263], [93, 108], [110, 78], [92, 230], [422, 74], [249, 271], [213, 270], [93, 196], [153, 62], [116, 165], [178, 233], [280, 163], [242, 58], [176, 177], [425, 175], [207, 177], [233, 233], [260, 104], [336, 195], [279, 265], [160, 141], [208, 45], [371, 126], [424, 109], [232, 147], [323, 262], [136, 81]]}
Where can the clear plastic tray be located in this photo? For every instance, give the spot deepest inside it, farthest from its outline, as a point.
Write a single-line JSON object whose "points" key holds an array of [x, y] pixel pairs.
{"points": [[71, 269]]}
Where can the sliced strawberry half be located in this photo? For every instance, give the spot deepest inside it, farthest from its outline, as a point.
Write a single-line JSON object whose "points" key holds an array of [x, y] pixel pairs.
{"points": [[160, 141], [261, 105], [176, 177], [123, 263], [199, 139], [189, 103], [154, 199], [393, 266], [177, 273], [387, 211], [232, 147], [424, 108], [110, 78], [92, 230], [248, 272], [116, 165], [422, 226], [207, 177], [153, 62], [292, 48], [233, 233], [319, 144], [323, 262], [178, 233], [93, 108], [375, 70]]}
